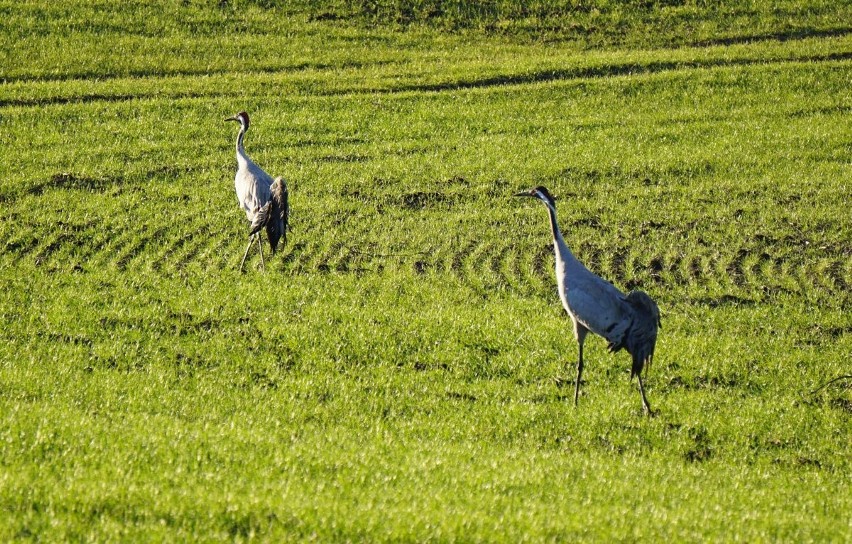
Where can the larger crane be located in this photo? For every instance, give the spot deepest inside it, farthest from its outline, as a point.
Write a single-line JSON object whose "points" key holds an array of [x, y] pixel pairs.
{"points": [[264, 200], [594, 304]]}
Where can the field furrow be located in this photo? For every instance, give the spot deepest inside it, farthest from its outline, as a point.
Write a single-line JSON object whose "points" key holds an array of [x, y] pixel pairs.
{"points": [[481, 265]]}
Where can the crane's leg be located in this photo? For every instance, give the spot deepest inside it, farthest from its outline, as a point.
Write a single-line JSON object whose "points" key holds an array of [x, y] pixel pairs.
{"points": [[580, 332], [251, 240], [579, 374], [260, 248], [645, 405]]}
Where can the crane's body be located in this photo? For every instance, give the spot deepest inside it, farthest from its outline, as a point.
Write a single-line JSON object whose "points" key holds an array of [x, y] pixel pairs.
{"points": [[264, 200], [590, 301], [251, 183], [594, 304]]}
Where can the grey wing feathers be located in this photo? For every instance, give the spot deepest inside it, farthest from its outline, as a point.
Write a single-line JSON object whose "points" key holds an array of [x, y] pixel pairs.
{"points": [[599, 307], [279, 214], [252, 188], [261, 218]]}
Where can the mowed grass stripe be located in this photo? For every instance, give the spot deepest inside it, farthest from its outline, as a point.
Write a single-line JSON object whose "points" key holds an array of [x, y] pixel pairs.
{"points": [[390, 78]]}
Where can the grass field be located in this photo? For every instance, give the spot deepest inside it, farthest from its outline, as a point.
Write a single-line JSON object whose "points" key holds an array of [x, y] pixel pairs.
{"points": [[390, 376]]}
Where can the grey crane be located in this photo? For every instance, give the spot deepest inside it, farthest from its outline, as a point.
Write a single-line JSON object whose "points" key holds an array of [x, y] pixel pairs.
{"points": [[265, 201], [594, 304]]}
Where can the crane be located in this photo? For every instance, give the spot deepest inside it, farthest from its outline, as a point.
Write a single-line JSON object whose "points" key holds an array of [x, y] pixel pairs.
{"points": [[265, 201], [626, 321]]}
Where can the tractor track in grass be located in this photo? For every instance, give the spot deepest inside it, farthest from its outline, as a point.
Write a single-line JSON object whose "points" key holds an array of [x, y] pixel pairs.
{"points": [[502, 80], [751, 268], [496, 264]]}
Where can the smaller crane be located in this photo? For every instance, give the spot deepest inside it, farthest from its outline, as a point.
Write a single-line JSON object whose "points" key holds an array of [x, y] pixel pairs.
{"points": [[594, 304], [265, 201]]}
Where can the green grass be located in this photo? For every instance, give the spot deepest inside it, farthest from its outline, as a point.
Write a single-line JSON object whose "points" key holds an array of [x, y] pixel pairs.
{"points": [[390, 376]]}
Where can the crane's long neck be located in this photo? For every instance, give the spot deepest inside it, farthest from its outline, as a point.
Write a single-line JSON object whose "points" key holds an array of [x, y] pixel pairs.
{"points": [[241, 150], [559, 245]]}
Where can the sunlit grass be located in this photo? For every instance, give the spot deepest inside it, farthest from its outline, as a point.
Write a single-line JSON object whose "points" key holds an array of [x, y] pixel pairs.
{"points": [[390, 375]]}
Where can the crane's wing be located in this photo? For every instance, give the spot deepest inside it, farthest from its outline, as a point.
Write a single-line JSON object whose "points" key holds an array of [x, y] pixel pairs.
{"points": [[279, 213], [261, 218], [252, 186], [599, 306]]}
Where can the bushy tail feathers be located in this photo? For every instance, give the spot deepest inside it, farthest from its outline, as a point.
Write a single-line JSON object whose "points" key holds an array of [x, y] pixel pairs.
{"points": [[274, 215], [642, 336], [279, 214]]}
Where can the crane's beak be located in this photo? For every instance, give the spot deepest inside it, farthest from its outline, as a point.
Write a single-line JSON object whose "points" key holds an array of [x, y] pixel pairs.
{"points": [[525, 193], [234, 118]]}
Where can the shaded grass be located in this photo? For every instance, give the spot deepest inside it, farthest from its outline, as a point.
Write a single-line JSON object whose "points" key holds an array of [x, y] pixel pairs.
{"points": [[604, 23]]}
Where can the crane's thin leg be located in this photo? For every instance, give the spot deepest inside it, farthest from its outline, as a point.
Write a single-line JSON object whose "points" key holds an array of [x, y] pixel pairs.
{"points": [[579, 371], [251, 240], [260, 248], [645, 404], [580, 334]]}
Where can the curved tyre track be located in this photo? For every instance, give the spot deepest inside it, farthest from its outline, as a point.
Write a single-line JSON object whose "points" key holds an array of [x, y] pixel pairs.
{"points": [[483, 265]]}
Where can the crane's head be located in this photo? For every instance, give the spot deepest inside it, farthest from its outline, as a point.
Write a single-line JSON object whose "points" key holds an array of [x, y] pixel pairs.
{"points": [[540, 193], [242, 118]]}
